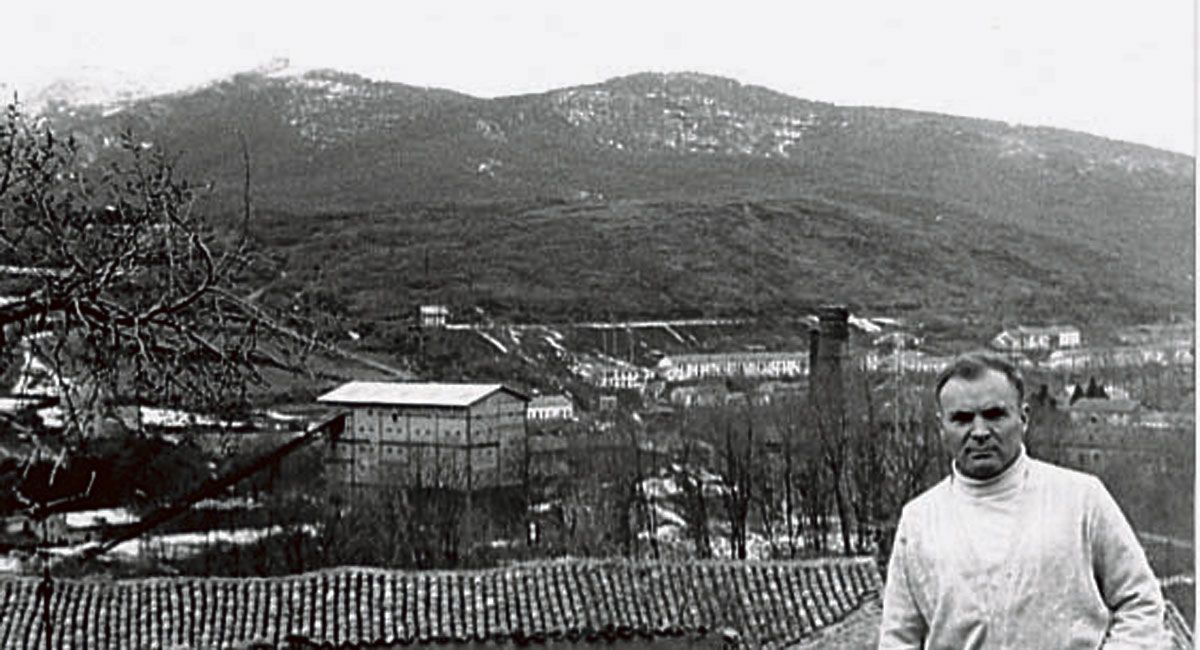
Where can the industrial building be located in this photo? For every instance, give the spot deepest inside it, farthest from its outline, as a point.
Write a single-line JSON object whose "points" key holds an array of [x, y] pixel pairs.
{"points": [[435, 435]]}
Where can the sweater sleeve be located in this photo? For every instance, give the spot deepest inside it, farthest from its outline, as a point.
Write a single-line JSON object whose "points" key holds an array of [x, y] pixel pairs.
{"points": [[902, 626], [1124, 577]]}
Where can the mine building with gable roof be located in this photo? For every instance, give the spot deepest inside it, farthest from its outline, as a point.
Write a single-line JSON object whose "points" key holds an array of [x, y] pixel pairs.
{"points": [[436, 435]]}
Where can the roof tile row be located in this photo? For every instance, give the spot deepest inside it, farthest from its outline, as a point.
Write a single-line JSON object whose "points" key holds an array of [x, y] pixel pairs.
{"points": [[769, 604]]}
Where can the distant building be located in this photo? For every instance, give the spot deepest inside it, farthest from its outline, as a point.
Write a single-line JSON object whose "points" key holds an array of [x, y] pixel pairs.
{"points": [[1121, 356], [905, 361], [1158, 333], [460, 436], [707, 394], [1104, 431], [1025, 338], [1113, 412], [23, 531], [551, 407], [769, 365], [608, 403], [625, 377], [434, 315]]}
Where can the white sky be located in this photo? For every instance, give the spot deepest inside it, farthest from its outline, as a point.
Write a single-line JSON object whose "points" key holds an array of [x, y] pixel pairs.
{"points": [[1120, 68]]}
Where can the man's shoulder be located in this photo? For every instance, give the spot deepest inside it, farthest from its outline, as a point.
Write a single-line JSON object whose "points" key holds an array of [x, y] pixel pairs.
{"points": [[929, 498], [1063, 477]]}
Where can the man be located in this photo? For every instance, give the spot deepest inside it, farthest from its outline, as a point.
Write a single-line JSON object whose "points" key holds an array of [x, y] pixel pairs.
{"points": [[1009, 551]]}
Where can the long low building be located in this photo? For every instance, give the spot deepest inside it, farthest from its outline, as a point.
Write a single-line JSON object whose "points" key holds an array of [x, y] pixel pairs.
{"points": [[771, 365], [1120, 356]]}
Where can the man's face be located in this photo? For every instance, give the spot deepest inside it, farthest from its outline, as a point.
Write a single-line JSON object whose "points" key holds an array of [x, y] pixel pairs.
{"points": [[983, 423]]}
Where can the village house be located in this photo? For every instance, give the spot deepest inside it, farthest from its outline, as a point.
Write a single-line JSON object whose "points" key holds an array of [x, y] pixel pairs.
{"points": [[1113, 412], [458, 436], [547, 408], [1145, 440], [755, 365], [607, 403], [706, 394], [625, 377], [434, 315], [897, 360], [1024, 338], [1099, 431]]}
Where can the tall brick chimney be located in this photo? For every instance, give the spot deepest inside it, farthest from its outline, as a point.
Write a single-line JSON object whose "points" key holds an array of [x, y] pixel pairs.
{"points": [[828, 348]]}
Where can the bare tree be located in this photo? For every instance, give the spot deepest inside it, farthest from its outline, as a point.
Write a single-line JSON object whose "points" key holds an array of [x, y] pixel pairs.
{"points": [[113, 274]]}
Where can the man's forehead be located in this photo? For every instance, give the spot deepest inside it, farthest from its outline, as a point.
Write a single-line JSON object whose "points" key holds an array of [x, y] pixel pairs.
{"points": [[989, 387], [983, 406]]}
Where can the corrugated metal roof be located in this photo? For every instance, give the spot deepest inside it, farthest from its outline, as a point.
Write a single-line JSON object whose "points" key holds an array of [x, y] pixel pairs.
{"points": [[412, 393]]}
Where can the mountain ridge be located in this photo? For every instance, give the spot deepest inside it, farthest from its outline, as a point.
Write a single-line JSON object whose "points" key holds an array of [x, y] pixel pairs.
{"points": [[327, 143]]}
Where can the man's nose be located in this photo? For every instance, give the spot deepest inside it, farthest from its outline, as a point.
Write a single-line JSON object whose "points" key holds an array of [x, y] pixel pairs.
{"points": [[979, 429]]}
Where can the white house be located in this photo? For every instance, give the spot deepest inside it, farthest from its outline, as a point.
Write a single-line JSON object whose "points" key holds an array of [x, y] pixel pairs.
{"points": [[624, 377], [1024, 338], [434, 315], [550, 407]]}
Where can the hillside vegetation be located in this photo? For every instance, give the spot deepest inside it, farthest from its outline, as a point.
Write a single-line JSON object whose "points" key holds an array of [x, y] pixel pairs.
{"points": [[767, 257], [675, 194]]}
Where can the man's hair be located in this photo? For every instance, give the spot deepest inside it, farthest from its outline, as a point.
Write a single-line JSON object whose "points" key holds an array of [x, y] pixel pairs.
{"points": [[972, 365]]}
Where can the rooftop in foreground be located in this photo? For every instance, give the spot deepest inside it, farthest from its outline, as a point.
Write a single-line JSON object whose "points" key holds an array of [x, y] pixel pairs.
{"points": [[758, 604]]}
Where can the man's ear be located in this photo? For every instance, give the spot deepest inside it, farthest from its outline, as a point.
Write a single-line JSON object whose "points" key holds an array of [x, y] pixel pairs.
{"points": [[1025, 411]]}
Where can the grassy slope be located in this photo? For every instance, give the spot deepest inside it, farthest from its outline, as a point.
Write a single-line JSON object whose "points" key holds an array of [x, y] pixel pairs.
{"points": [[553, 261]]}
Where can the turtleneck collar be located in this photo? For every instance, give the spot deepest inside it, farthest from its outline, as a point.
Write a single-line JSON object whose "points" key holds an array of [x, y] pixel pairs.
{"points": [[1006, 482]]}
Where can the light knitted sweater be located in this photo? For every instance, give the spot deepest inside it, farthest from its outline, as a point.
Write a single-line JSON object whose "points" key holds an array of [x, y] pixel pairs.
{"points": [[1037, 557]]}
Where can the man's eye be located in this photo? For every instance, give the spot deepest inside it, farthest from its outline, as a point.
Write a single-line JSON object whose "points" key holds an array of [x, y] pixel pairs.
{"points": [[994, 413], [962, 418]]}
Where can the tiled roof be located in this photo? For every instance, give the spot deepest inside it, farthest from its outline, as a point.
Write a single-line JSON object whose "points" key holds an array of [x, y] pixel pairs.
{"points": [[767, 604], [411, 393]]}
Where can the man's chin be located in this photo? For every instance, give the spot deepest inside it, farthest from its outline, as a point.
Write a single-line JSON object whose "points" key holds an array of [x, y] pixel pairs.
{"points": [[980, 468]]}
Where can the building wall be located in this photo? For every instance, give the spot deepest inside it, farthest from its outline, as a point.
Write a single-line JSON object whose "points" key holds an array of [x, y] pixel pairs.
{"points": [[500, 420], [1093, 445], [454, 447], [551, 412], [735, 365]]}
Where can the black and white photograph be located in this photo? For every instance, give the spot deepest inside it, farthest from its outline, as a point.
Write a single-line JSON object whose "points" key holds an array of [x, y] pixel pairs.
{"points": [[646, 325]]}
